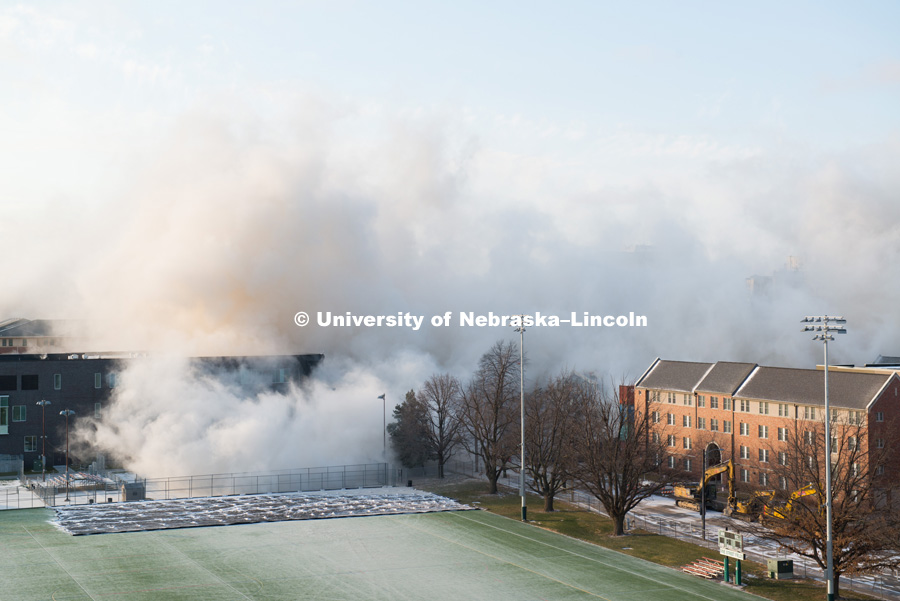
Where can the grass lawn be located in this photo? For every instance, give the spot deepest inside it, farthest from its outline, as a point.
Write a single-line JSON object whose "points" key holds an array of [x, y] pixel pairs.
{"points": [[597, 529]]}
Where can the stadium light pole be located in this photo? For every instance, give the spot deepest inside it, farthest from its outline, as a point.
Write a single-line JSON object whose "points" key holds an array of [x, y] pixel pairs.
{"points": [[384, 423], [824, 331], [43, 405], [67, 413], [521, 331]]}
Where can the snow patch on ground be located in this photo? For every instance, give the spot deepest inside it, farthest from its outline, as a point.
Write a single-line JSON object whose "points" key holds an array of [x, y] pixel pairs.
{"points": [[248, 509]]}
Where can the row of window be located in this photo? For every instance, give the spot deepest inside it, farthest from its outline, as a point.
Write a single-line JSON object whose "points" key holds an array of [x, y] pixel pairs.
{"points": [[19, 413], [764, 477], [31, 382], [743, 406]]}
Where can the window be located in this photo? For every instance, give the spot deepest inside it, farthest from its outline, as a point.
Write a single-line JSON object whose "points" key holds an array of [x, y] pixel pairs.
{"points": [[782, 458], [714, 425], [782, 410], [671, 462], [713, 402], [879, 416], [670, 419], [18, 413], [701, 423], [764, 479], [279, 377], [726, 426], [811, 462], [57, 381], [782, 434], [9, 383], [745, 406], [879, 443], [856, 418], [701, 401], [764, 407], [808, 437], [30, 444], [686, 442], [726, 404], [671, 440], [745, 452], [4, 415], [111, 380], [782, 482], [30, 382], [834, 444], [851, 443], [879, 470], [686, 421], [745, 475], [809, 413], [688, 400], [98, 380], [654, 396], [670, 398], [655, 437], [854, 469], [763, 431], [99, 406], [745, 429], [687, 465], [764, 455], [655, 416]]}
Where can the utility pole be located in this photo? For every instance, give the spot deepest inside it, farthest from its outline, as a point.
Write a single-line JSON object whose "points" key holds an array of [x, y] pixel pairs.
{"points": [[824, 334]]}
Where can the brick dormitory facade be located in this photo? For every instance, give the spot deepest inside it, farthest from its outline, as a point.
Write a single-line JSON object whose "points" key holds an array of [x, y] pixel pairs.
{"points": [[748, 412], [86, 383]]}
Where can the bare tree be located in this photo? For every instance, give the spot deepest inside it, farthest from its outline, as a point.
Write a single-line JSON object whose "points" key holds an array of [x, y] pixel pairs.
{"points": [[441, 395], [549, 420], [622, 461], [865, 530], [488, 410]]}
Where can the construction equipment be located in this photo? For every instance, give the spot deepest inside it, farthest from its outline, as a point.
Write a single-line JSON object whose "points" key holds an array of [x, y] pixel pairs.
{"points": [[782, 511], [749, 510], [689, 495]]}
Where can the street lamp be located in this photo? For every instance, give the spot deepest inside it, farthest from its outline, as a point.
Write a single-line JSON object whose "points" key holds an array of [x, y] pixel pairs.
{"points": [[824, 334], [384, 423], [43, 405], [521, 331], [67, 413]]}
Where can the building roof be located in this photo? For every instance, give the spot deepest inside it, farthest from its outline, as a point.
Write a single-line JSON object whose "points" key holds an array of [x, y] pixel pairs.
{"points": [[680, 376], [807, 387], [725, 377], [24, 328], [886, 360]]}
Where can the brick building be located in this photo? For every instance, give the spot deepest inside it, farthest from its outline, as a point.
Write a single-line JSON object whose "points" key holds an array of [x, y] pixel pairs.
{"points": [[748, 412], [86, 383]]}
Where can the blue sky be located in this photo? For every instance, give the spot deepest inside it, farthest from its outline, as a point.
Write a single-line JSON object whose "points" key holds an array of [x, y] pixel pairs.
{"points": [[463, 138]]}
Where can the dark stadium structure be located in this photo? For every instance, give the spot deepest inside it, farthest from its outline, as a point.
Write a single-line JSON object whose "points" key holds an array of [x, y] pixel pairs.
{"points": [[85, 383]]}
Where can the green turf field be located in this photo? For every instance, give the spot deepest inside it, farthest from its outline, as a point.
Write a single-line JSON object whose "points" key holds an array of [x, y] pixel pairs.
{"points": [[439, 556]]}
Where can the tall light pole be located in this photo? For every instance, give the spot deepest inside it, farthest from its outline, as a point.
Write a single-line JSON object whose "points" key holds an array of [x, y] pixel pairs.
{"points": [[43, 405], [384, 423], [67, 413], [824, 334], [521, 331]]}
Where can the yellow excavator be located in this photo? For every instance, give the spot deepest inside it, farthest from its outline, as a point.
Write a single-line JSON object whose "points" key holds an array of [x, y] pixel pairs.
{"points": [[752, 508], [782, 511], [689, 495]]}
